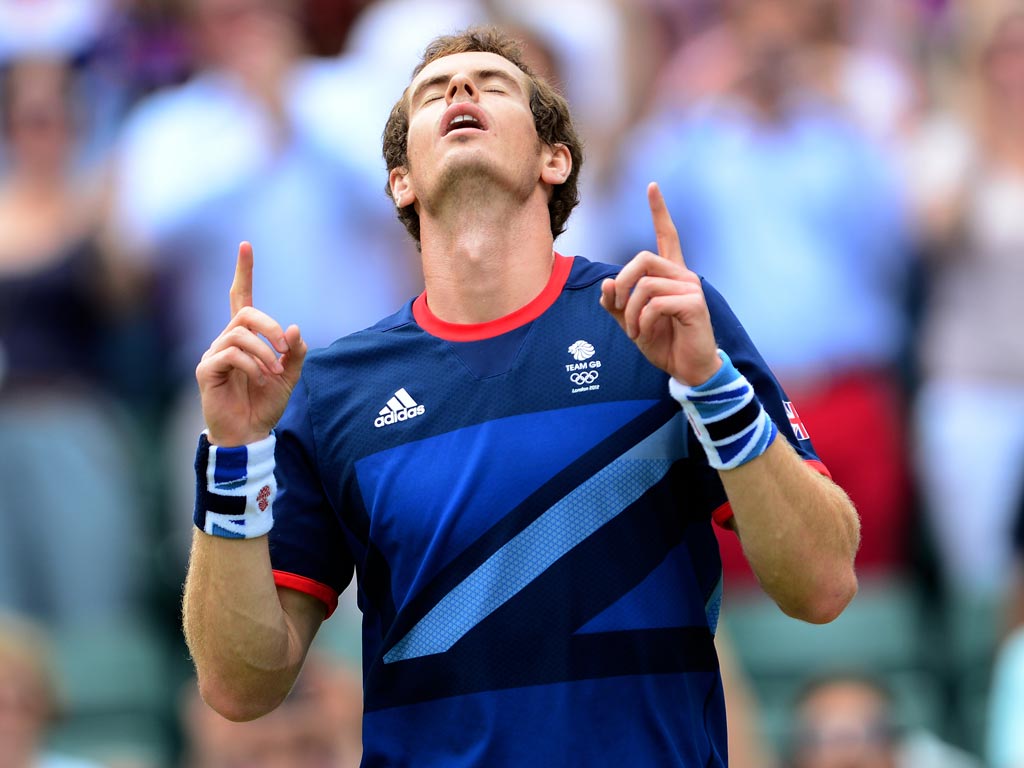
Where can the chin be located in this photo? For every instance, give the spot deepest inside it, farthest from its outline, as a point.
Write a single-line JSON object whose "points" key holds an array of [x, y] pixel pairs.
{"points": [[469, 175], [471, 171]]}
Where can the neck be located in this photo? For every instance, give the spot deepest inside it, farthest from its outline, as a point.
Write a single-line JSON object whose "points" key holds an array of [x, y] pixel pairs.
{"points": [[484, 261]]}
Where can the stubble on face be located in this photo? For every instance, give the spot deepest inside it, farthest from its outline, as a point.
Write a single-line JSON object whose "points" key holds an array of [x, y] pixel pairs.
{"points": [[472, 179]]}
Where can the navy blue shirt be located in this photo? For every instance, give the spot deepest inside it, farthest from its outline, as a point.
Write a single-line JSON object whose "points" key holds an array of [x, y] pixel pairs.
{"points": [[530, 520]]}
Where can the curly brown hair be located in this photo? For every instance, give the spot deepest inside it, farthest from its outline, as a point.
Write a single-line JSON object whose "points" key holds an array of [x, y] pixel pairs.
{"points": [[550, 110]]}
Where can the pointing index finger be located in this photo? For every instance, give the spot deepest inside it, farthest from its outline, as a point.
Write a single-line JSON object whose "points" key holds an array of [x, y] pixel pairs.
{"points": [[241, 286], [664, 228]]}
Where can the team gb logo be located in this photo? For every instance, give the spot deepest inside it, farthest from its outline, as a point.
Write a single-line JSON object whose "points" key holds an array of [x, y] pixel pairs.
{"points": [[581, 350]]}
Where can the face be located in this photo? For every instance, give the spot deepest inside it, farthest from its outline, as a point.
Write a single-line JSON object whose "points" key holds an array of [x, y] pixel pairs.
{"points": [[296, 735], [1004, 60], [770, 34], [38, 123], [470, 125], [844, 725], [273, 742], [238, 34]]}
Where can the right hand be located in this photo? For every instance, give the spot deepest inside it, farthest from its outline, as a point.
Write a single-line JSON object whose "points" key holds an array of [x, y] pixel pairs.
{"points": [[243, 384]]}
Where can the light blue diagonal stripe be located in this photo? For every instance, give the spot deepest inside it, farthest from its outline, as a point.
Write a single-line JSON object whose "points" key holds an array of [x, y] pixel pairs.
{"points": [[558, 530]]}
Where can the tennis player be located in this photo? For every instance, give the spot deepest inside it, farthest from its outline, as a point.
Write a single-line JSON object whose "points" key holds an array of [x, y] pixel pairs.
{"points": [[521, 467]]}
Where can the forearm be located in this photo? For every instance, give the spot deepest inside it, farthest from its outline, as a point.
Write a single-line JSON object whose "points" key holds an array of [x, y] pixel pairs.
{"points": [[799, 532], [246, 651], [248, 639]]}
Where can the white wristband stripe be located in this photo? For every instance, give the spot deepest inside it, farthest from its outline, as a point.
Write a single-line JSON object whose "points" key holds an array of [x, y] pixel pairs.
{"points": [[727, 395], [236, 489]]}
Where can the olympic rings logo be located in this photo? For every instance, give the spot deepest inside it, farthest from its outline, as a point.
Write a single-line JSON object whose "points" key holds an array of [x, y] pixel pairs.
{"points": [[583, 377]]}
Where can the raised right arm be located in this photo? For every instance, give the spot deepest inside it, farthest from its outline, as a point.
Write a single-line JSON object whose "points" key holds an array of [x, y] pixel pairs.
{"points": [[247, 637]]}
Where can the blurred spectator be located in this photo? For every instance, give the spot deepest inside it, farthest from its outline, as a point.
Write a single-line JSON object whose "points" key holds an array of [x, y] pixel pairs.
{"points": [[1005, 726], [844, 723], [70, 31], [267, 145], [1005, 732], [28, 699], [849, 721], [70, 510], [968, 170], [317, 726], [790, 209], [870, 84], [255, 147]]}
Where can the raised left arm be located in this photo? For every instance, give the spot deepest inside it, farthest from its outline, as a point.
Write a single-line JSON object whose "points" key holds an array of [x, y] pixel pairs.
{"points": [[799, 530]]}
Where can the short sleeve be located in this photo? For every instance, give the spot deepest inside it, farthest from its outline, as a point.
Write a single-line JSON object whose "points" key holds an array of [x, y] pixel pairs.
{"points": [[733, 339], [308, 550]]}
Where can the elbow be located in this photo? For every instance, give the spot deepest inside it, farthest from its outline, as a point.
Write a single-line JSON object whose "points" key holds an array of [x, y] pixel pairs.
{"points": [[236, 704], [826, 603]]}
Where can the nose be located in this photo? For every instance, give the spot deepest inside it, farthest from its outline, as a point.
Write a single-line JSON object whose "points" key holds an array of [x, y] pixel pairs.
{"points": [[461, 88]]}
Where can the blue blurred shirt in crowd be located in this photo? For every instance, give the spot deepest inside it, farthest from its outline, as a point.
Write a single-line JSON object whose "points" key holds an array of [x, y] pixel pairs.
{"points": [[202, 167], [798, 222]]}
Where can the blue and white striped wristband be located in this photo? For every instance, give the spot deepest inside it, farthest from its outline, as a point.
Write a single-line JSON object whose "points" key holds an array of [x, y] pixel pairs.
{"points": [[235, 489], [726, 416]]}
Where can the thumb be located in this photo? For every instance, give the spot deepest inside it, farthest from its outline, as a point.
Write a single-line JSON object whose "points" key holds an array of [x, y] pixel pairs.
{"points": [[293, 359], [608, 302]]}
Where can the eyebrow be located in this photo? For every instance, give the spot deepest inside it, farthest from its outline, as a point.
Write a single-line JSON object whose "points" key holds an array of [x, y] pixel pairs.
{"points": [[479, 74]]}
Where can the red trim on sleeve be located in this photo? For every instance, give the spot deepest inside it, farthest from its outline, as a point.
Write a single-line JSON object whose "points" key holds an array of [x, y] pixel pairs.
{"points": [[818, 467], [723, 513], [320, 591], [435, 326]]}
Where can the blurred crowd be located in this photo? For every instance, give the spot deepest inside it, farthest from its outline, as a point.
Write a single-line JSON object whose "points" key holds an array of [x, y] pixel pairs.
{"points": [[850, 175]]}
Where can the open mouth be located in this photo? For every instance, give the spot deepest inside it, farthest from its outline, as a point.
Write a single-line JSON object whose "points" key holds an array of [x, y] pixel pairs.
{"points": [[463, 118]]}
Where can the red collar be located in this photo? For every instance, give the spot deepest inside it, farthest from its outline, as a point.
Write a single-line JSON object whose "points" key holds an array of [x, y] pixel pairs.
{"points": [[478, 331]]}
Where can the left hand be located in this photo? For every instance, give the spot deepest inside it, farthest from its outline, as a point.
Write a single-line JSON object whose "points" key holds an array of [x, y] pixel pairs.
{"points": [[660, 305]]}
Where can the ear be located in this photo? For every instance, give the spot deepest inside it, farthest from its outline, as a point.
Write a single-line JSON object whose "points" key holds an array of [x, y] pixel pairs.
{"points": [[401, 187], [557, 165]]}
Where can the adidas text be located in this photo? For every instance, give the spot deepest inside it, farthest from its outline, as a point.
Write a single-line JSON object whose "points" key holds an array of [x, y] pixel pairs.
{"points": [[395, 416], [401, 407]]}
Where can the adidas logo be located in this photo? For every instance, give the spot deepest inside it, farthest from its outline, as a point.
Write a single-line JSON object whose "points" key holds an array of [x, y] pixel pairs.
{"points": [[401, 407]]}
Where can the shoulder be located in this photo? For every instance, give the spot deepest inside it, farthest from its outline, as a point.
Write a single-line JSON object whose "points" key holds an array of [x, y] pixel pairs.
{"points": [[355, 361], [586, 273], [730, 333], [382, 333], [341, 381]]}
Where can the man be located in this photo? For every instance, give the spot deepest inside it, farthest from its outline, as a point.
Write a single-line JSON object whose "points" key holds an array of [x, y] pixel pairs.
{"points": [[28, 698], [844, 721], [529, 517], [850, 720]]}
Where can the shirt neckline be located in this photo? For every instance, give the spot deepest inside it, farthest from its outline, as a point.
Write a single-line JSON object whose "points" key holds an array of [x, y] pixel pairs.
{"points": [[527, 313]]}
